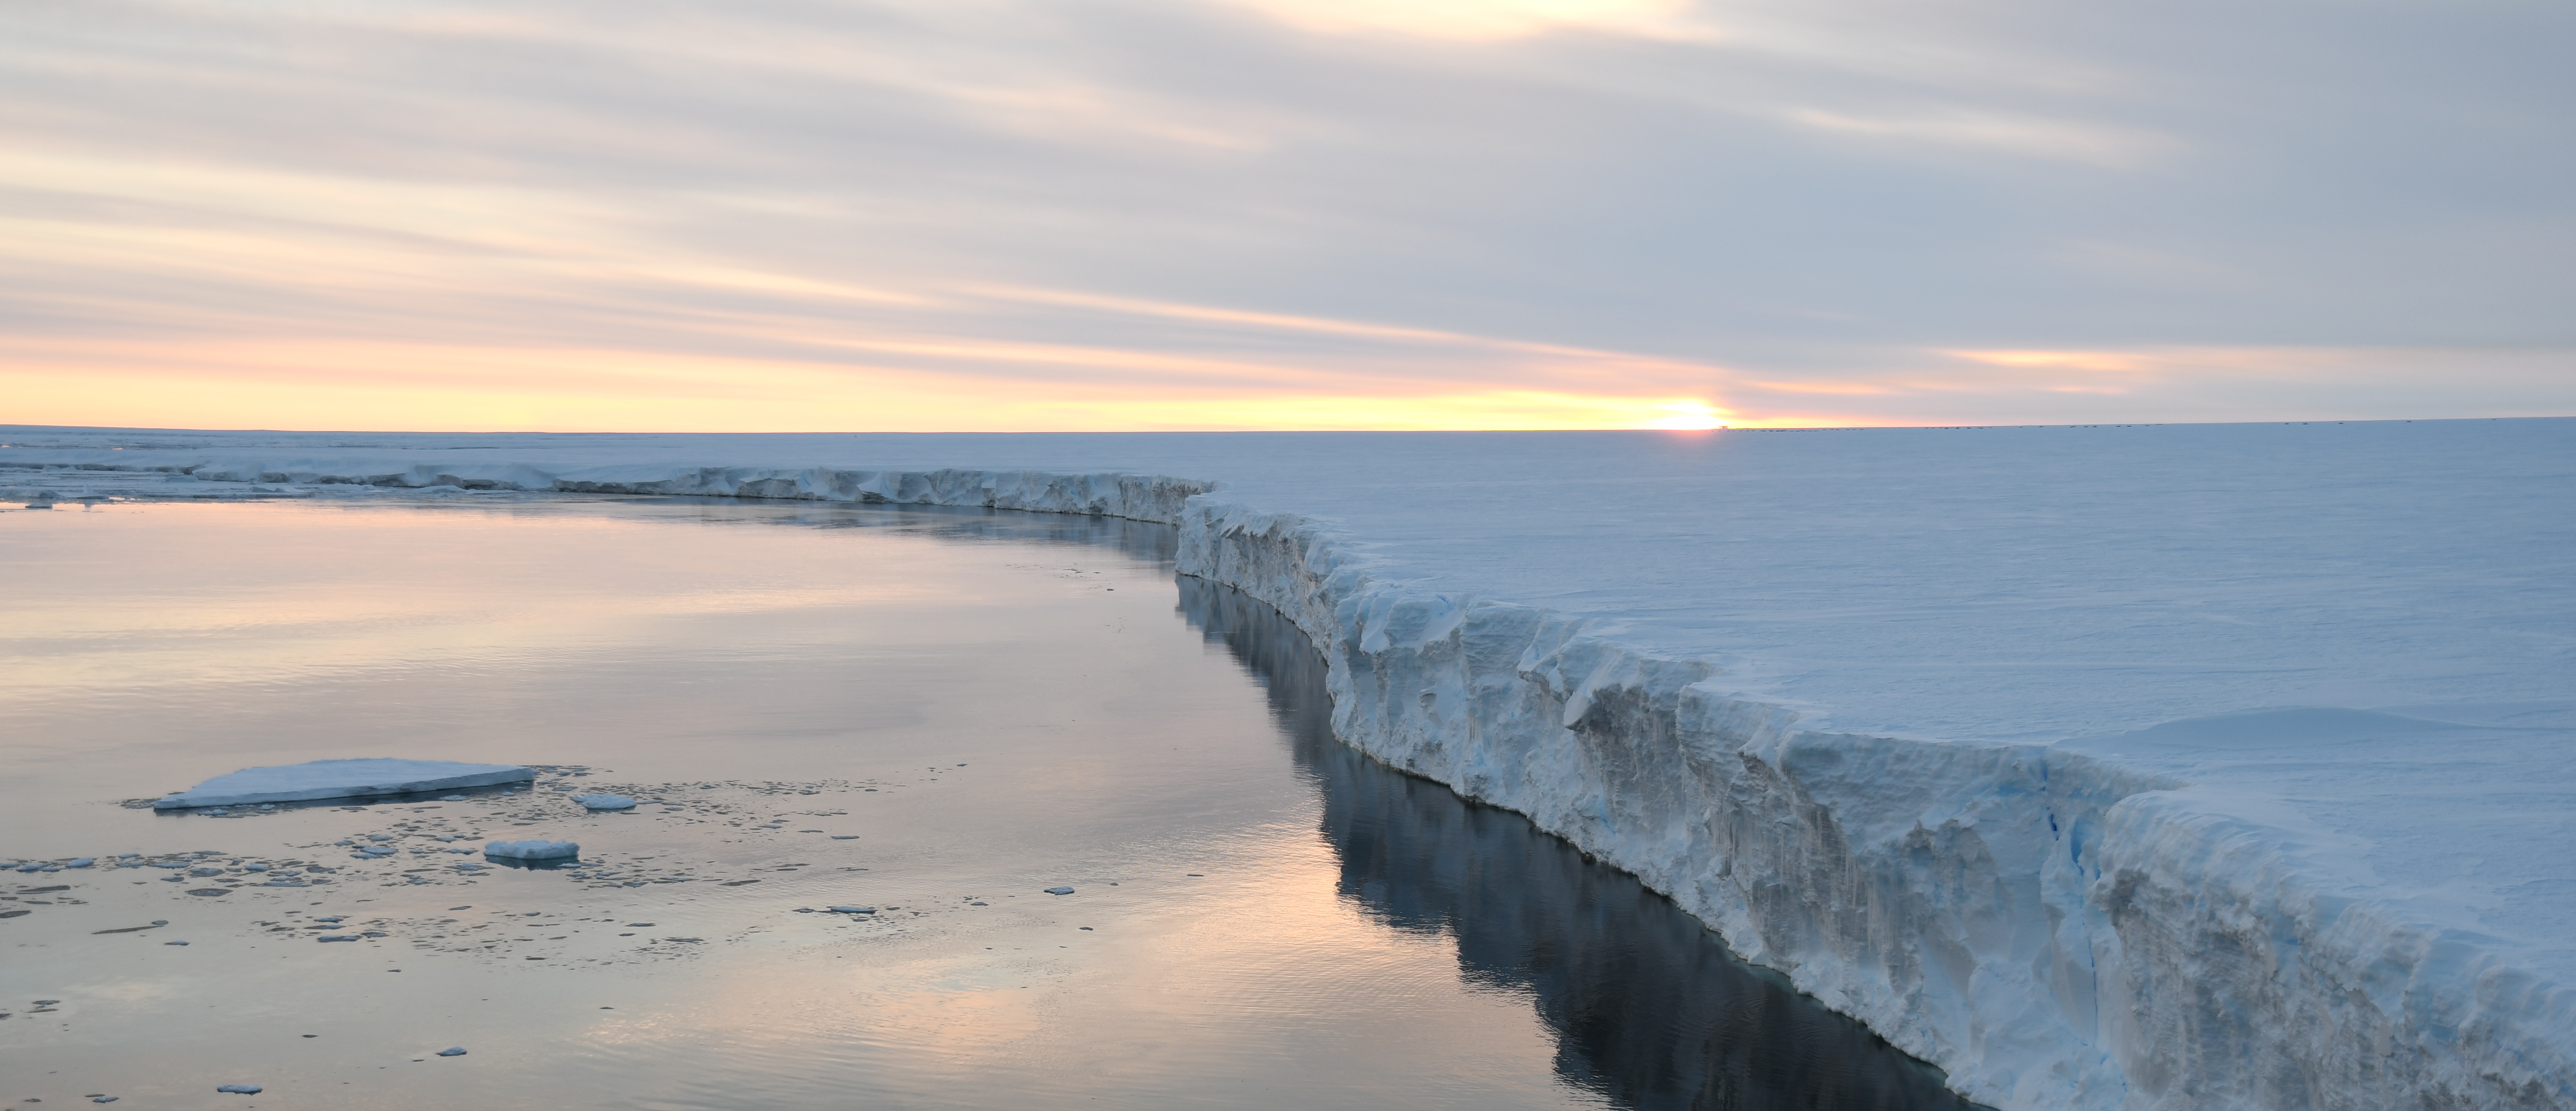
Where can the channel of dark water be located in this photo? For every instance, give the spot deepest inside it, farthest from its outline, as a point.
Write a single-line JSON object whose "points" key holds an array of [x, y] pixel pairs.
{"points": [[1647, 1005]]}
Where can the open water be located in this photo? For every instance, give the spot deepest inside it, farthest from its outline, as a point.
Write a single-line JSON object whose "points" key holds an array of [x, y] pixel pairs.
{"points": [[936, 715]]}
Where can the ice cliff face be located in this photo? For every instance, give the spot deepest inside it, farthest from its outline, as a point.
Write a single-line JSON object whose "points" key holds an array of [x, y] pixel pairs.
{"points": [[2055, 928]]}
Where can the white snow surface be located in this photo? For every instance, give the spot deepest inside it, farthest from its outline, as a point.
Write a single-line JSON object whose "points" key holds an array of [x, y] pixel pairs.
{"points": [[333, 779], [532, 850], [2106, 767]]}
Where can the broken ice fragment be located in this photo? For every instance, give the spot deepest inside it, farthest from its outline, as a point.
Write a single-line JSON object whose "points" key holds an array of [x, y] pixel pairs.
{"points": [[853, 910], [330, 779], [605, 802], [79, 862], [452, 1051], [241, 1089], [1059, 891], [532, 850]]}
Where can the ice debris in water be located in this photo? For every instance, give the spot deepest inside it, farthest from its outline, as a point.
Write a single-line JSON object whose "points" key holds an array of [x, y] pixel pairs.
{"points": [[533, 850], [1059, 891], [331, 779], [452, 1051], [853, 910], [605, 802], [241, 1089], [79, 862]]}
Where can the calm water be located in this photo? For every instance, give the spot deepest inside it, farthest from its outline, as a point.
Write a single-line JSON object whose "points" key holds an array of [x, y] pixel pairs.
{"points": [[935, 714]]}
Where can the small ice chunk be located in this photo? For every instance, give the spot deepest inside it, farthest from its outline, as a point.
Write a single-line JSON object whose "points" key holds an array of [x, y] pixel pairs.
{"points": [[79, 862], [853, 910], [255, 866], [452, 1051], [1059, 891], [451, 798], [533, 850], [605, 802], [205, 871], [174, 943], [240, 1089], [331, 779], [337, 937]]}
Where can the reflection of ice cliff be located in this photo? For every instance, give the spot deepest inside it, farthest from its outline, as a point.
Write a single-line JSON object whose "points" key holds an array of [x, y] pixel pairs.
{"points": [[2315, 858], [1646, 1005]]}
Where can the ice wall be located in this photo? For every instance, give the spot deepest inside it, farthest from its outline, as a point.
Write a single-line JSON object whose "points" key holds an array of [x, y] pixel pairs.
{"points": [[2056, 929], [2053, 929]]}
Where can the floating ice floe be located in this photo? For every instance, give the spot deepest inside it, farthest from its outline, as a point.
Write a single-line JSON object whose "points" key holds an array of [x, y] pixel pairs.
{"points": [[852, 910], [605, 802], [240, 1089], [452, 1051], [1059, 891], [532, 850], [332, 779]]}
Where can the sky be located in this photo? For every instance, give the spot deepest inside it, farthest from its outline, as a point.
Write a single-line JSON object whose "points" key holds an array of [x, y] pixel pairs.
{"points": [[926, 215]]}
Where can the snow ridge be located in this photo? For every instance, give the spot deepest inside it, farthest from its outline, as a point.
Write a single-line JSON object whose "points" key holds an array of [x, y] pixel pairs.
{"points": [[2056, 930]]}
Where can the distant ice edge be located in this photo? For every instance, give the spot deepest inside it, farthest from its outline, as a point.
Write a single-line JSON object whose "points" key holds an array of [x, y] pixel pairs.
{"points": [[2055, 931]]}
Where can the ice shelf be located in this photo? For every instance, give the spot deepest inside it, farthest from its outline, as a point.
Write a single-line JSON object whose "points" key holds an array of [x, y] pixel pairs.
{"points": [[2165, 767], [334, 779]]}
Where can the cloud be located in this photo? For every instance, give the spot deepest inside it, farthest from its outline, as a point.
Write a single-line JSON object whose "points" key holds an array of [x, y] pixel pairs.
{"points": [[1222, 213]]}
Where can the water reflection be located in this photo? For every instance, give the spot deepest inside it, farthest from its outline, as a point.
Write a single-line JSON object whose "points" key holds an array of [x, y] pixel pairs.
{"points": [[1646, 1005]]}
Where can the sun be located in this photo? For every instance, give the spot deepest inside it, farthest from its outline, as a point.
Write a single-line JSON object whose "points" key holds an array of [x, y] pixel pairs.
{"points": [[1688, 416]]}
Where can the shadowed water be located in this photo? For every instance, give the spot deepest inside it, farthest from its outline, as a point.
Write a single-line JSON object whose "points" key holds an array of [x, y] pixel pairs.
{"points": [[1646, 1004]]}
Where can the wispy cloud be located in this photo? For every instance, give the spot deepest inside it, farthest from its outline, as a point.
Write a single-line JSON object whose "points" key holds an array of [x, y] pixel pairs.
{"points": [[1228, 213]]}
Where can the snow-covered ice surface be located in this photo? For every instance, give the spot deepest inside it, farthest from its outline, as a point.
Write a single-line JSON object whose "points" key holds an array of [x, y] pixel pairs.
{"points": [[2180, 766], [341, 779]]}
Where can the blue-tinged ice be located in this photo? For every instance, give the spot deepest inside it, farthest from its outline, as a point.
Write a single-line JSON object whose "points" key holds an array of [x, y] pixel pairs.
{"points": [[333, 779]]}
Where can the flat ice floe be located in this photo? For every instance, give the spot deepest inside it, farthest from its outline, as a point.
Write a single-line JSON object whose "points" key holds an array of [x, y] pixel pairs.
{"points": [[337, 779], [532, 850]]}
